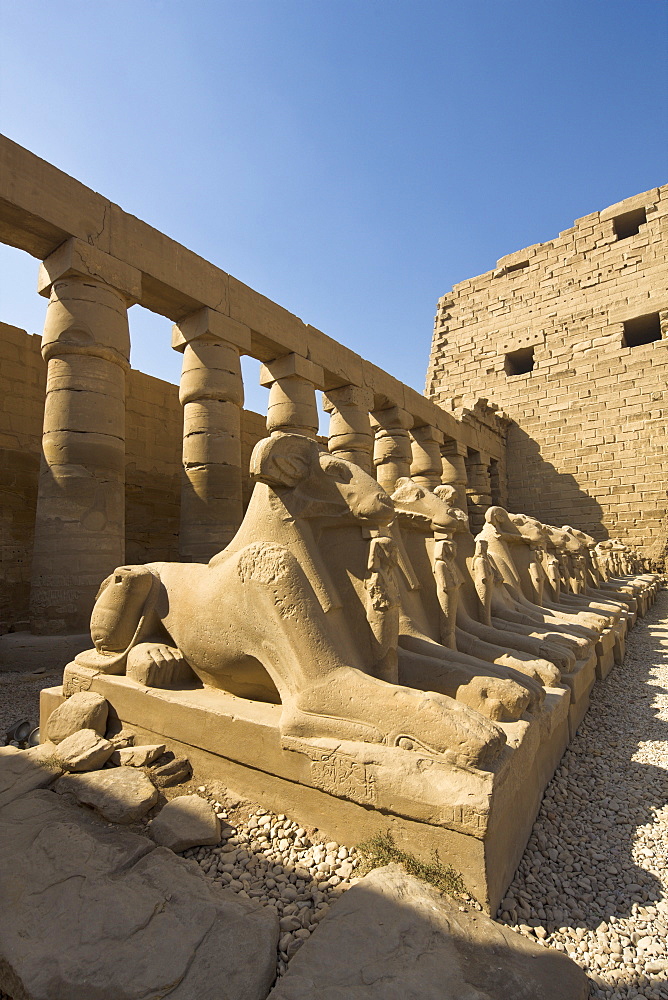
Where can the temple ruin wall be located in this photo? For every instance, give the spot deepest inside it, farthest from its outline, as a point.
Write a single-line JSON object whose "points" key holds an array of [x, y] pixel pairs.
{"points": [[570, 338], [154, 428]]}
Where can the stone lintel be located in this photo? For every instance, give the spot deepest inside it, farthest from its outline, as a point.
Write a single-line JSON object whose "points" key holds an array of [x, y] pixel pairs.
{"points": [[76, 258], [206, 322], [292, 364]]}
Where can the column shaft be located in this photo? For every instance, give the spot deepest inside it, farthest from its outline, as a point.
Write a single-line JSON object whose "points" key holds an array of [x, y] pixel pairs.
{"points": [[80, 517], [292, 381], [392, 454], [350, 435], [427, 464], [454, 469], [212, 395]]}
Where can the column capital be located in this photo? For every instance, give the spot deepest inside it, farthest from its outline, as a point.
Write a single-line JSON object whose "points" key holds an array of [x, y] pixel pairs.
{"points": [[77, 259], [427, 432], [348, 395], [212, 325], [292, 365], [453, 447]]}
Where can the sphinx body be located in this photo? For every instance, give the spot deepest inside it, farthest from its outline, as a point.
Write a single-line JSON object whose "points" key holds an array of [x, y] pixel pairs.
{"points": [[302, 607]]}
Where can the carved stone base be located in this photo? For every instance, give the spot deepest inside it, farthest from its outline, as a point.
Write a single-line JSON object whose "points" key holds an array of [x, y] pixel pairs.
{"points": [[605, 652], [580, 682], [478, 821]]}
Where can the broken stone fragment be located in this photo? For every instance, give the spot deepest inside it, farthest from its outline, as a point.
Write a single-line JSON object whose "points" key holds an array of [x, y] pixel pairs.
{"points": [[84, 750], [83, 710], [137, 756], [173, 772], [125, 738], [392, 935], [121, 795], [187, 821]]}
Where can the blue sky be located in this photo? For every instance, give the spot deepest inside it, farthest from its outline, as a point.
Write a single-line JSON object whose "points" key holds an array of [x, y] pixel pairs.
{"points": [[351, 159]]}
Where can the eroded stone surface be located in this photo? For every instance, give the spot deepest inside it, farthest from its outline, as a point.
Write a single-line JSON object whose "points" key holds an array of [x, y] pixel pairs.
{"points": [[187, 821], [121, 795], [84, 750], [117, 917], [83, 710], [391, 937], [22, 771]]}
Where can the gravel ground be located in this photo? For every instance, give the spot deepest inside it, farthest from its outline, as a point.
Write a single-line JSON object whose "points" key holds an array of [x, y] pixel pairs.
{"points": [[593, 881]]}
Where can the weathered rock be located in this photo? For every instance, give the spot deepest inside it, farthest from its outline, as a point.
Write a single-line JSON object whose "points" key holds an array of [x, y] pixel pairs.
{"points": [[84, 750], [83, 710], [122, 739], [22, 771], [137, 756], [391, 937], [188, 821], [121, 794], [174, 772], [117, 917]]}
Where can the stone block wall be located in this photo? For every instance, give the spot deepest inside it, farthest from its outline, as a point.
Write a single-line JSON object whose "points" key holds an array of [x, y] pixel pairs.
{"points": [[22, 385], [570, 338], [154, 421]]}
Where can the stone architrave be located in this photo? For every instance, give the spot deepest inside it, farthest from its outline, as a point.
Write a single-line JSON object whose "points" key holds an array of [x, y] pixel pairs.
{"points": [[212, 396], [80, 518], [350, 435], [292, 381], [427, 464]]}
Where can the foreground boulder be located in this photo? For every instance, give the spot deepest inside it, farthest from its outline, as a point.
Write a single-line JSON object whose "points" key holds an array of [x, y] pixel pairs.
{"points": [[391, 937], [187, 821], [93, 912], [84, 750], [121, 795]]}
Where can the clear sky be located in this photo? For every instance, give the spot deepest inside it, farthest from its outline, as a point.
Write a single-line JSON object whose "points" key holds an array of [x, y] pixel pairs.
{"points": [[351, 159]]}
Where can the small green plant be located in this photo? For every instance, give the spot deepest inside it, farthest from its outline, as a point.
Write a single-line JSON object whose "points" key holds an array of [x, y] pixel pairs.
{"points": [[381, 850]]}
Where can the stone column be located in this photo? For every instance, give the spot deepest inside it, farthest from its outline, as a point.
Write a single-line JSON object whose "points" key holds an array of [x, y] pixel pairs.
{"points": [[427, 464], [80, 517], [453, 455], [292, 381], [212, 396], [479, 492], [392, 454], [350, 434]]}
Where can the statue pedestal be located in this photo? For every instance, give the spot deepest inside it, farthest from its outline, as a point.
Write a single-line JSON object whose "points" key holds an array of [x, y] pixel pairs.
{"points": [[478, 821], [580, 682]]}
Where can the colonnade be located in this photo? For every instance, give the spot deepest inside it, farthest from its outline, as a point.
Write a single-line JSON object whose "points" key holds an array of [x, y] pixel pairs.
{"points": [[80, 521]]}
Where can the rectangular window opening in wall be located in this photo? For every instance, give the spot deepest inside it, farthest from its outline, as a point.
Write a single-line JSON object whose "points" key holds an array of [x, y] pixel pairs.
{"points": [[519, 362], [516, 267], [629, 223], [642, 330]]}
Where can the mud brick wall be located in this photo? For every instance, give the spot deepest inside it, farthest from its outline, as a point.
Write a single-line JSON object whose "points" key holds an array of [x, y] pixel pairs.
{"points": [[154, 421], [570, 339]]}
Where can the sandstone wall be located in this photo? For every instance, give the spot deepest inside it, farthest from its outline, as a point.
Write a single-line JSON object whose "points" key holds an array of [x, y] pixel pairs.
{"points": [[589, 440], [153, 466]]}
